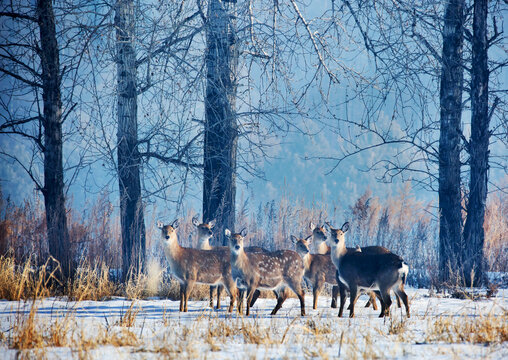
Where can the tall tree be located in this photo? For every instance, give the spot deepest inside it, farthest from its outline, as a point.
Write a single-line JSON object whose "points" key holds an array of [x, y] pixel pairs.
{"points": [[31, 64], [452, 77], [478, 148], [54, 200], [221, 131], [131, 204]]}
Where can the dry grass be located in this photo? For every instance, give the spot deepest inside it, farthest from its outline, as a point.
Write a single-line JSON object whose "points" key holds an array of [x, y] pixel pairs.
{"points": [[469, 329], [91, 282], [128, 319], [26, 281]]}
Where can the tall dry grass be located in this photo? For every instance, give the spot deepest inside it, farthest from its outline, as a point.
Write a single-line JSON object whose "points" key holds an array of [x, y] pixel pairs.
{"points": [[27, 281]]}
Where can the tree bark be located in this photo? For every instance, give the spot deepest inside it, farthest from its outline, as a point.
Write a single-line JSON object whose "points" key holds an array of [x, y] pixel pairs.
{"points": [[474, 235], [131, 206], [450, 225], [221, 133], [53, 191]]}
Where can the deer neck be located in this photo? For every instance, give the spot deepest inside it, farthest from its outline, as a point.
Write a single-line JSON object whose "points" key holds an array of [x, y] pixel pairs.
{"points": [[172, 249], [240, 259], [337, 252], [307, 260], [204, 243], [323, 248]]}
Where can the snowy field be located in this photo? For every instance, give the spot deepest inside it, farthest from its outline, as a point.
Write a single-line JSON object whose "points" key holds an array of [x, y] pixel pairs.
{"points": [[439, 328]]}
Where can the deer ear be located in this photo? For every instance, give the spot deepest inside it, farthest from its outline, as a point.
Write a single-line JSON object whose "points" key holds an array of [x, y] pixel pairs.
{"points": [[195, 220], [309, 239], [227, 232], [243, 232], [345, 227], [312, 226], [293, 239], [211, 223], [160, 224], [175, 223]]}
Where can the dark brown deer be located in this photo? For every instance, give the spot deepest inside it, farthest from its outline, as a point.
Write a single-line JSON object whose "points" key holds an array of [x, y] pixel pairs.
{"points": [[266, 271], [319, 238], [194, 266], [358, 270]]}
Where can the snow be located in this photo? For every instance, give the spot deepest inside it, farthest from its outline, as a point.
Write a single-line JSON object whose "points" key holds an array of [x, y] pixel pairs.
{"points": [[159, 329]]}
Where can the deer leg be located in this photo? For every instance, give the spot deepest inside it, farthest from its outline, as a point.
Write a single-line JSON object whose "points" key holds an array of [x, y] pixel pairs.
{"points": [[296, 286], [182, 296], [372, 300], [318, 287], [402, 294], [255, 297], [250, 293], [241, 296], [380, 298], [188, 289], [387, 302], [397, 297], [281, 297], [335, 293], [368, 303], [342, 292], [219, 291], [212, 290], [353, 291], [231, 289]]}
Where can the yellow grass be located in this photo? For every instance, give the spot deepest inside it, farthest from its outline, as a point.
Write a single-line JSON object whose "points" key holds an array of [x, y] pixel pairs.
{"points": [[486, 329]]}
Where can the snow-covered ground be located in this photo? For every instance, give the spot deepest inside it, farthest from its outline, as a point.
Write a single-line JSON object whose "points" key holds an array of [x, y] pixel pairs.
{"points": [[439, 328]]}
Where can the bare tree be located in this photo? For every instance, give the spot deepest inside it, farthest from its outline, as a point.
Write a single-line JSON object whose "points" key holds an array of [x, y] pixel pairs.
{"points": [[31, 66], [131, 206], [148, 105], [221, 130], [450, 208], [478, 147]]}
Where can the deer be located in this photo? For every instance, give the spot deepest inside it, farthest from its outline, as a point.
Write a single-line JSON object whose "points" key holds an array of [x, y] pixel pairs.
{"points": [[205, 233], [320, 239], [360, 270], [319, 268], [195, 266], [266, 271]]}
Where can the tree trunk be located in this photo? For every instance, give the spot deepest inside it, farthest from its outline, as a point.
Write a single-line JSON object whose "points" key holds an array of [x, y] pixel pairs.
{"points": [[131, 206], [221, 134], [54, 200], [450, 218], [474, 235]]}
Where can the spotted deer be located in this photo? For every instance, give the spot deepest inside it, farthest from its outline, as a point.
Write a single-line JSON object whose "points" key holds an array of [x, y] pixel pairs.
{"points": [[205, 233], [359, 270], [266, 271], [194, 266]]}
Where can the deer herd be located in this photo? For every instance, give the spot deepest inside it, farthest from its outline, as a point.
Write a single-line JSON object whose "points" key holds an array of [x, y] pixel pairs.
{"points": [[244, 271]]}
